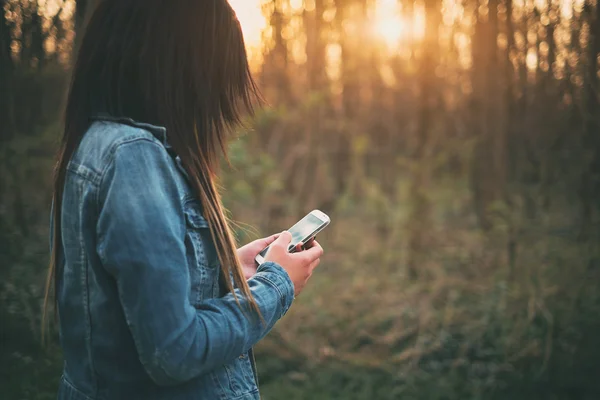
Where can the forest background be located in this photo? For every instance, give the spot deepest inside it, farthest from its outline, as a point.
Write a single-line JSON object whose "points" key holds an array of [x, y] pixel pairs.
{"points": [[455, 145]]}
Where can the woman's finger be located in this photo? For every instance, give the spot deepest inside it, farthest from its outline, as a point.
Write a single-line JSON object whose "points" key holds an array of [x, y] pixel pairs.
{"points": [[310, 255], [314, 265], [310, 243], [268, 240]]}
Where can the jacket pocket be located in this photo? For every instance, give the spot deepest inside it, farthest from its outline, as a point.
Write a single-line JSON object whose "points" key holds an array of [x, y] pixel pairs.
{"points": [[68, 391], [202, 255], [237, 378]]}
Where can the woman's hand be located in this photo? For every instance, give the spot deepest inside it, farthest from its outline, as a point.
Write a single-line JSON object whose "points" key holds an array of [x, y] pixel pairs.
{"points": [[299, 266], [248, 253]]}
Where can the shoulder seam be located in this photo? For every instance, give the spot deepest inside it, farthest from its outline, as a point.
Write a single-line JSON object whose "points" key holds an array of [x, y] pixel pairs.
{"points": [[111, 157], [113, 150]]}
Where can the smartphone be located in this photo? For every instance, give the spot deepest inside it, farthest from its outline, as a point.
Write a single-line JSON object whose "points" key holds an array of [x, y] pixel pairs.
{"points": [[302, 232]]}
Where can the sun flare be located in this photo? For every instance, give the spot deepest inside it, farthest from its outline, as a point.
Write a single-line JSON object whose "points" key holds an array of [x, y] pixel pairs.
{"points": [[387, 24], [390, 30], [251, 19]]}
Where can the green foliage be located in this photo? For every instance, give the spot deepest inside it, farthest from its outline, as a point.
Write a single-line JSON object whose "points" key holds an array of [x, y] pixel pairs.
{"points": [[490, 315], [477, 323], [413, 300]]}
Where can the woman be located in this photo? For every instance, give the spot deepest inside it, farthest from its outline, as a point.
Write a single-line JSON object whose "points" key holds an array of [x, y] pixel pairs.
{"points": [[154, 300]]}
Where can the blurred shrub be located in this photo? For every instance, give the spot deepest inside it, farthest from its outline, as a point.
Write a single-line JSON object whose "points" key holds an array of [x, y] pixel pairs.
{"points": [[512, 313], [488, 314]]}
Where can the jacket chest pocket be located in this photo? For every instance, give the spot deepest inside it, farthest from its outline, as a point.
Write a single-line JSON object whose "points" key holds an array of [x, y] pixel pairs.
{"points": [[202, 256]]}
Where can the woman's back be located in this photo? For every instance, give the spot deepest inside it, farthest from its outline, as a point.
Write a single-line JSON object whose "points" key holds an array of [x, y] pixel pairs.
{"points": [[95, 338], [155, 300], [106, 355]]}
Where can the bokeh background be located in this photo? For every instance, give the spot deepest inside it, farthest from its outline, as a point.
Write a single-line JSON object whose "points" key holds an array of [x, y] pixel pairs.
{"points": [[455, 145]]}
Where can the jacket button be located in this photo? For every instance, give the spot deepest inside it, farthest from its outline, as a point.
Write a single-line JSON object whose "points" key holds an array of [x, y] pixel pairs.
{"points": [[242, 356]]}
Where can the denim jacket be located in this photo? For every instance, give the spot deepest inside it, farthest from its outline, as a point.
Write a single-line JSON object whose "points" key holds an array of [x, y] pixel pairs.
{"points": [[142, 309]]}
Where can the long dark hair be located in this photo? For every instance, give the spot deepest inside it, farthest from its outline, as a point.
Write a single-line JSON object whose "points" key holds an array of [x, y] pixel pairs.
{"points": [[180, 64]]}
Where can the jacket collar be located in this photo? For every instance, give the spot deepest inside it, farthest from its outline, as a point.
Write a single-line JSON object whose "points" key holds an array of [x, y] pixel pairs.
{"points": [[158, 132]]}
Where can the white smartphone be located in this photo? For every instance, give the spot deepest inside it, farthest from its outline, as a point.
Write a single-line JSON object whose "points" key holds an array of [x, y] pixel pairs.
{"points": [[302, 232]]}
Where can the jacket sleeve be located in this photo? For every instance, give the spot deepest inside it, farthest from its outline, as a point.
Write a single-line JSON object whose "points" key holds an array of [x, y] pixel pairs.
{"points": [[141, 230]]}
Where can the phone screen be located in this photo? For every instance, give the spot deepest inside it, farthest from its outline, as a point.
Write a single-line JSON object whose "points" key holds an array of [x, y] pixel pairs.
{"points": [[302, 230]]}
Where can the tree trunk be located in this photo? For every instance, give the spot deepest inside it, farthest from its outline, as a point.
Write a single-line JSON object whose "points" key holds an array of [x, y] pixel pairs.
{"points": [[349, 64], [511, 146], [488, 178], [348, 102], [510, 92], [308, 173], [6, 71], [315, 47], [38, 54], [590, 185], [429, 109], [278, 56]]}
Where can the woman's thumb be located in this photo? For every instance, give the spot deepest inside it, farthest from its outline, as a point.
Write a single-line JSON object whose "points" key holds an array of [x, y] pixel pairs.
{"points": [[284, 239]]}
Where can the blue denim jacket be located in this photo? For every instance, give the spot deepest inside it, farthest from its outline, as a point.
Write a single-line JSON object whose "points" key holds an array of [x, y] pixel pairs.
{"points": [[142, 309]]}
